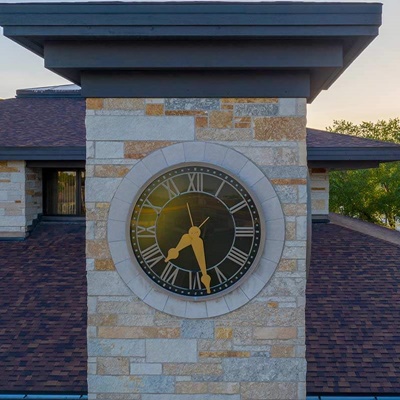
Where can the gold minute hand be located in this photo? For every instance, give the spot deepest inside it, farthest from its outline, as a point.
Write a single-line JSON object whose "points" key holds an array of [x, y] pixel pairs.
{"points": [[198, 249]]}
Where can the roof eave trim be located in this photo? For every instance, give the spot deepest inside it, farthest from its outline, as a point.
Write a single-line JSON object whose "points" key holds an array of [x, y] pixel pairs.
{"points": [[380, 154], [43, 153]]}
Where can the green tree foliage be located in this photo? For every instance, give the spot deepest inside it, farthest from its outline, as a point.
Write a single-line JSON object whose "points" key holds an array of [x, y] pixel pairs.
{"points": [[370, 194]]}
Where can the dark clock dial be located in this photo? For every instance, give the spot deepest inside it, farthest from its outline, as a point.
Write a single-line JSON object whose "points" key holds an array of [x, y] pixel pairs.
{"points": [[195, 231]]}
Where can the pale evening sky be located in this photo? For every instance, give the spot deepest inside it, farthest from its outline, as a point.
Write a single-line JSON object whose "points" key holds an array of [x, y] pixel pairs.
{"points": [[368, 91]]}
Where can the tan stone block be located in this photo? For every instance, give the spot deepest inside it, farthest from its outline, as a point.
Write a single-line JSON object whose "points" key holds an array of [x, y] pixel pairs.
{"points": [[214, 345], [138, 332], [242, 122], [294, 209], [123, 104], [281, 333], [113, 366], [192, 369], [186, 112], [112, 171], [227, 107], [224, 354], [249, 100], [94, 104], [102, 205], [269, 390], [289, 181], [191, 387], [97, 249], [96, 214], [201, 122], [272, 304], [290, 231], [318, 204], [142, 148], [5, 168], [221, 119], [280, 128], [224, 134], [223, 387], [155, 109], [223, 333], [282, 351], [5, 180], [102, 319]]}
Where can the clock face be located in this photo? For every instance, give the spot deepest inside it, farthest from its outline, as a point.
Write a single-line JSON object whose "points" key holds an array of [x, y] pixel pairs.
{"points": [[196, 231]]}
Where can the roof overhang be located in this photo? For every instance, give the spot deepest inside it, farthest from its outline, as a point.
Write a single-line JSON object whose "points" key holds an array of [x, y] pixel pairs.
{"points": [[195, 49], [351, 157]]}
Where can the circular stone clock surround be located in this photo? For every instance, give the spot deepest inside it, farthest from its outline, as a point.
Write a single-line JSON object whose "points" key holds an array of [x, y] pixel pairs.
{"points": [[218, 156]]}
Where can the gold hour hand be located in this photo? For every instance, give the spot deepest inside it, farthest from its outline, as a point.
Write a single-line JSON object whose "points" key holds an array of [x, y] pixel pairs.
{"points": [[173, 253], [198, 249]]}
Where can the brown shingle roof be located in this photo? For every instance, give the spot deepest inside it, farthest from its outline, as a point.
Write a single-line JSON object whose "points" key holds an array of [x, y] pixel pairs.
{"points": [[42, 122], [352, 313], [318, 138], [43, 311]]}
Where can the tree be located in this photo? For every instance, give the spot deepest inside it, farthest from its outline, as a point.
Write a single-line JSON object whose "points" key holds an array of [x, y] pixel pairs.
{"points": [[370, 194]]}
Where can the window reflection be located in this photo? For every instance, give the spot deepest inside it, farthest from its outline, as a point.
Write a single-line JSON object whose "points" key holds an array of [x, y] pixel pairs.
{"points": [[64, 192]]}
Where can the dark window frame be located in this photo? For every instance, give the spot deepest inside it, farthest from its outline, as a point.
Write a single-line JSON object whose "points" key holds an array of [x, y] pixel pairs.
{"points": [[80, 185]]}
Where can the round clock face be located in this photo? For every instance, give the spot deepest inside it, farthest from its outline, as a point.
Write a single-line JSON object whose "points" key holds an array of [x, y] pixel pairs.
{"points": [[196, 231]]}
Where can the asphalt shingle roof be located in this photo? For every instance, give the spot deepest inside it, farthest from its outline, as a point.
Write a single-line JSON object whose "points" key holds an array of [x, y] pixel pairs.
{"points": [[43, 311], [318, 138], [352, 313], [42, 122]]}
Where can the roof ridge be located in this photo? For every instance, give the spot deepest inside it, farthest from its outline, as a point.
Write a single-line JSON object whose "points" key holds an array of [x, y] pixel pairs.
{"points": [[367, 228]]}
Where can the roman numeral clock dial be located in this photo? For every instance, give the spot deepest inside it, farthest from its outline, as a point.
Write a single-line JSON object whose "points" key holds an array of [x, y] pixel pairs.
{"points": [[195, 231]]}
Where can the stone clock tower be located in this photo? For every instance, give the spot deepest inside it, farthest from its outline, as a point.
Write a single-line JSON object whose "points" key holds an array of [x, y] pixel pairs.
{"points": [[156, 167], [196, 189]]}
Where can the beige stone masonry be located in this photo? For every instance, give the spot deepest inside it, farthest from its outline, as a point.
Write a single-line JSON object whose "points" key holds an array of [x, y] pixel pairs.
{"points": [[319, 182], [135, 350], [20, 198]]}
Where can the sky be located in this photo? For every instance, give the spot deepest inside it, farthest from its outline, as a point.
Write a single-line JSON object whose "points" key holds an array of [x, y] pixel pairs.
{"points": [[369, 90]]}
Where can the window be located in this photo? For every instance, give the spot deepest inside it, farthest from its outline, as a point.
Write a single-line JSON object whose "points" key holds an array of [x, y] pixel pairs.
{"points": [[64, 192]]}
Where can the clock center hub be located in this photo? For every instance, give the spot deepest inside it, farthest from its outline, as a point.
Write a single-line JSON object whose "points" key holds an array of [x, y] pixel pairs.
{"points": [[217, 231]]}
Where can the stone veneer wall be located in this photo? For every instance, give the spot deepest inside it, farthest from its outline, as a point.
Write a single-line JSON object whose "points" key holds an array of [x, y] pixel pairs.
{"points": [[20, 198], [33, 194], [255, 352], [319, 181], [12, 199]]}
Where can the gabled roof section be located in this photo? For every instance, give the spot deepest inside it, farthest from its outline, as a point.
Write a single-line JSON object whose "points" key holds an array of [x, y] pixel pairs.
{"points": [[352, 308], [195, 49]]}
